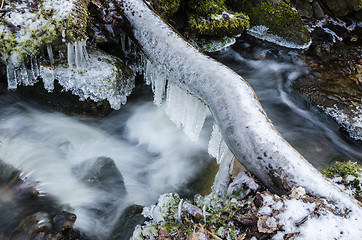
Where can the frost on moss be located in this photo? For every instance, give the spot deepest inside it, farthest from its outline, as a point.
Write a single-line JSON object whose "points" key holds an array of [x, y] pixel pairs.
{"points": [[211, 18], [28, 25], [215, 215], [348, 175], [280, 19]]}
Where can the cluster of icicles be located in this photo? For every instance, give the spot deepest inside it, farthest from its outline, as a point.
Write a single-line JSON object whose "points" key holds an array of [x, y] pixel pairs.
{"points": [[86, 76], [28, 76], [189, 113]]}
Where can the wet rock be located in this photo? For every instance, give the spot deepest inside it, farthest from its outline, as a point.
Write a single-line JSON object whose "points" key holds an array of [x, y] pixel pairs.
{"points": [[279, 18], [358, 15], [101, 173], [64, 220], [317, 10], [305, 9], [131, 216], [342, 7]]}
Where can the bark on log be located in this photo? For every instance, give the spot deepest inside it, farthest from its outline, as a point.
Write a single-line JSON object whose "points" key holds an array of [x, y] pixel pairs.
{"points": [[246, 129]]}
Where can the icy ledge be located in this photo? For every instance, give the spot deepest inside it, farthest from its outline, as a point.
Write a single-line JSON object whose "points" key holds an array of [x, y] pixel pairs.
{"points": [[244, 126], [97, 76]]}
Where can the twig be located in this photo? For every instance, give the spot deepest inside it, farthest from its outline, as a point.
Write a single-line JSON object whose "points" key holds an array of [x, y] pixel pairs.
{"points": [[211, 234], [2, 4], [343, 24]]}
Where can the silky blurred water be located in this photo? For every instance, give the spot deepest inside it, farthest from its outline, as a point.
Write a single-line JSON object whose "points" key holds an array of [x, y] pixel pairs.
{"points": [[271, 72]]}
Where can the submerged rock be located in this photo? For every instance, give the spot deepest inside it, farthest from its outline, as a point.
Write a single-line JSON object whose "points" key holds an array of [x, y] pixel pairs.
{"points": [[270, 18], [102, 173]]}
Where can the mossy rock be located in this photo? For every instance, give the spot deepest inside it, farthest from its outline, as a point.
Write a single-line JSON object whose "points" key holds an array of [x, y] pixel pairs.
{"points": [[280, 19], [166, 8], [222, 25], [207, 7], [23, 31], [348, 174]]}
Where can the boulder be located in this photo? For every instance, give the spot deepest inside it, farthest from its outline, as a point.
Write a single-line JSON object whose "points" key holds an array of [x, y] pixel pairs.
{"points": [[278, 18], [212, 19], [102, 173]]}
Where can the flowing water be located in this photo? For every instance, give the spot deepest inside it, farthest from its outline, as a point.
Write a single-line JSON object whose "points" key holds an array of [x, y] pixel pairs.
{"points": [[271, 72], [152, 154]]}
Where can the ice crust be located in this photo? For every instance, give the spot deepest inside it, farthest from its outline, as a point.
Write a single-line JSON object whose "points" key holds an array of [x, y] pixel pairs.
{"points": [[245, 128], [261, 32], [352, 124]]}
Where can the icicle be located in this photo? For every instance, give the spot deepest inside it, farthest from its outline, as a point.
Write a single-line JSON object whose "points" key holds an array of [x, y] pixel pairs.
{"points": [[47, 74], [24, 75], [34, 68], [84, 50], [71, 55], [11, 75], [79, 57], [185, 110], [158, 87], [50, 54], [123, 42], [224, 157]]}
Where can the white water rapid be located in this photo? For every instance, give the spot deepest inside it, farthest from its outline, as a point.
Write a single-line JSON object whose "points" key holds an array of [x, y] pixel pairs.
{"points": [[152, 154]]}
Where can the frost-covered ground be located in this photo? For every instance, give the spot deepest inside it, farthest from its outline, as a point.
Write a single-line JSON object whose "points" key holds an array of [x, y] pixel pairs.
{"points": [[247, 211]]}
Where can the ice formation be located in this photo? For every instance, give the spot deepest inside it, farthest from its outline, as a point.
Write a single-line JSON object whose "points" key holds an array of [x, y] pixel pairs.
{"points": [[185, 110], [219, 150], [95, 76], [261, 32], [352, 124], [245, 128]]}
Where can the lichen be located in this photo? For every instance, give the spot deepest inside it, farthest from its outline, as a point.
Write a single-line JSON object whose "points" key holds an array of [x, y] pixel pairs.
{"points": [[349, 175]]}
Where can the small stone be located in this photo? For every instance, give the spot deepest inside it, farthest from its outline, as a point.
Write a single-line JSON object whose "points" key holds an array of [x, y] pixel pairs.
{"points": [[317, 9]]}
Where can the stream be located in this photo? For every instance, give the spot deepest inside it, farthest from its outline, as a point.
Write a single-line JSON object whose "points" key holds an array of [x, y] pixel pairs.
{"points": [[150, 152]]}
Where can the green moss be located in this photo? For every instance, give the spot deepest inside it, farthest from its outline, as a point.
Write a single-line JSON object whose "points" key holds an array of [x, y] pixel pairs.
{"points": [[206, 7], [166, 8], [351, 174], [281, 20], [219, 25], [17, 44]]}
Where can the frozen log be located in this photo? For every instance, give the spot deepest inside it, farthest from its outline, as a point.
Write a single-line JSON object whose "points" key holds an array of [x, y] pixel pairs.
{"points": [[247, 131]]}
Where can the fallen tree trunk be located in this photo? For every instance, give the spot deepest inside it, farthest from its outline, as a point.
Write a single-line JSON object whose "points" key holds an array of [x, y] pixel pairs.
{"points": [[247, 131]]}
